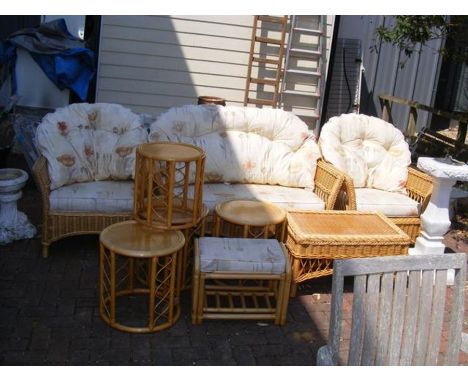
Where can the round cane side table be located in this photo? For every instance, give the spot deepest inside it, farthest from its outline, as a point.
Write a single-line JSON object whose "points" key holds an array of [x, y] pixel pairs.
{"points": [[121, 246], [163, 173], [249, 219]]}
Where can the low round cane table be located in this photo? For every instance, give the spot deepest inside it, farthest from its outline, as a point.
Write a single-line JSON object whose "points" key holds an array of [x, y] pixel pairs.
{"points": [[121, 246], [249, 219]]}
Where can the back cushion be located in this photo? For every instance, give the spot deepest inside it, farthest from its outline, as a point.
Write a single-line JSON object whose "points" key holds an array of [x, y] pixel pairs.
{"points": [[86, 142], [373, 152], [244, 145]]}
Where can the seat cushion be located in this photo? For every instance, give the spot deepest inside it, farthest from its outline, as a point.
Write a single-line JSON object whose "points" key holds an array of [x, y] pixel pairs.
{"points": [[85, 142], [241, 255], [389, 203], [289, 198], [105, 196], [244, 145], [372, 152]]}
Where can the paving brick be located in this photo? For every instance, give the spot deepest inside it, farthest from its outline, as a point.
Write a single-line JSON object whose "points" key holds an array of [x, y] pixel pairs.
{"points": [[170, 341], [79, 358], [222, 351], [120, 340], [15, 358], [268, 350], [243, 355], [189, 355], [248, 338], [40, 339], [141, 349], [57, 353], [161, 355], [15, 344], [215, 362]]}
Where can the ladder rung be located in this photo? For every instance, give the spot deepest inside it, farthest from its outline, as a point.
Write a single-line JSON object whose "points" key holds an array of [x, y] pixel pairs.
{"points": [[304, 72], [311, 31], [273, 19], [301, 93], [260, 101], [263, 81], [265, 60], [268, 40], [305, 51], [303, 115]]}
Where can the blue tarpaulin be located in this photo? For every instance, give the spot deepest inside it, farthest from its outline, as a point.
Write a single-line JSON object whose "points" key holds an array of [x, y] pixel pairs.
{"points": [[63, 57]]}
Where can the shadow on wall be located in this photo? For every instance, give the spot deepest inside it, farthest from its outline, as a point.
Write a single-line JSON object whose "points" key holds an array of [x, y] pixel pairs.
{"points": [[367, 105], [144, 65]]}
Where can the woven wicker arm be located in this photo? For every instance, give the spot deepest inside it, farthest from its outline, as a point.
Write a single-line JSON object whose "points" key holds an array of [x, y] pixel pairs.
{"points": [[41, 176], [347, 195], [419, 186], [328, 183]]}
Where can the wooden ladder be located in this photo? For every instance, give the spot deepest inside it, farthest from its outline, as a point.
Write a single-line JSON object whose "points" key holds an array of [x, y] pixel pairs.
{"points": [[262, 58], [299, 28]]}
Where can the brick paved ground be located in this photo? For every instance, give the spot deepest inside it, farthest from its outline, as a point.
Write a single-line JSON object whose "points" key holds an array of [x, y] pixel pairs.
{"points": [[49, 316]]}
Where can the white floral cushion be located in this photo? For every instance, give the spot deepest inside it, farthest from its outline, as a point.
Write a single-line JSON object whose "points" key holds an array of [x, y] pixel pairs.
{"points": [[289, 198], [246, 145], [241, 255], [389, 203], [373, 152], [105, 196], [85, 142]]}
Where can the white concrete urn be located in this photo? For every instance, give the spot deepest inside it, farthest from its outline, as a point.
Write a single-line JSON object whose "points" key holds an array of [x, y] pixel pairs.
{"points": [[14, 225], [435, 220]]}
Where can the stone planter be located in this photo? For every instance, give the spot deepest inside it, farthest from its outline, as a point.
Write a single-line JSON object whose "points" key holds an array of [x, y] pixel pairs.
{"points": [[14, 225]]}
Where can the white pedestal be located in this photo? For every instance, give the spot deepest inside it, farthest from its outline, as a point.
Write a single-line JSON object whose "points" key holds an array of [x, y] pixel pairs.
{"points": [[435, 220], [14, 225]]}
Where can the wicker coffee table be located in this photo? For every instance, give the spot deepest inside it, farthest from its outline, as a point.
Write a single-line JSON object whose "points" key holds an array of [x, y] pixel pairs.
{"points": [[315, 239], [249, 219]]}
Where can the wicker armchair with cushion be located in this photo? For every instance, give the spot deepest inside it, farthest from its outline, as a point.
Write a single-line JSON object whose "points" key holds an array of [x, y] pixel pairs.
{"points": [[375, 158], [256, 154], [86, 168]]}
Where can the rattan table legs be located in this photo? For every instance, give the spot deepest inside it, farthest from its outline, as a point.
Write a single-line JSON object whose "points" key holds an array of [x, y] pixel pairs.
{"points": [[163, 301], [123, 247]]}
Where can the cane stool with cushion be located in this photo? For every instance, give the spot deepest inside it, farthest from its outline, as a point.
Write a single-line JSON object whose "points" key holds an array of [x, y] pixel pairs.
{"points": [[375, 158], [236, 278]]}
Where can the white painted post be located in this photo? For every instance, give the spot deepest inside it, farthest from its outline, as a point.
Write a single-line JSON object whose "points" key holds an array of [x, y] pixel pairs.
{"points": [[435, 220]]}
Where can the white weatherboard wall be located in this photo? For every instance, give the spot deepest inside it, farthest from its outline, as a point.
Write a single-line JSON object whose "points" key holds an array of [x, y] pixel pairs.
{"points": [[151, 63]]}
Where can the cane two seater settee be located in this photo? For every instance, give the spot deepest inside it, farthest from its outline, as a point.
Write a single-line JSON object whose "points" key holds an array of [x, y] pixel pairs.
{"points": [[376, 160], [253, 154], [86, 168]]}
